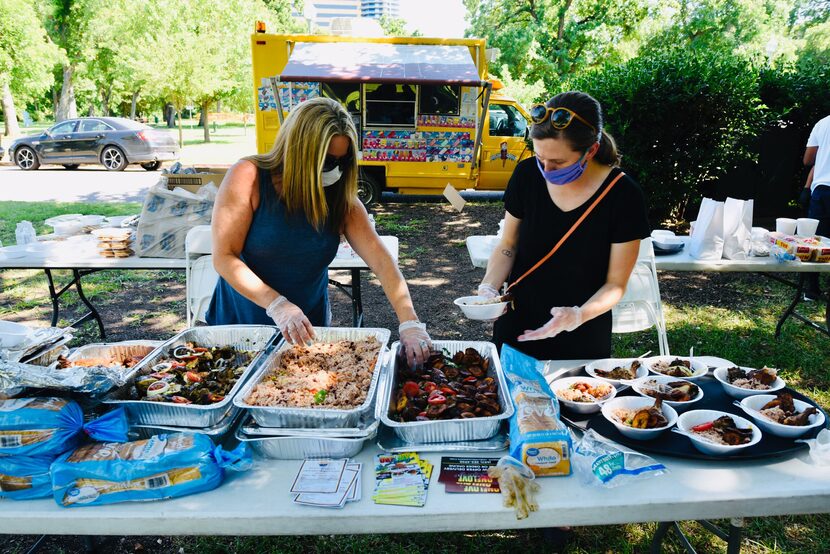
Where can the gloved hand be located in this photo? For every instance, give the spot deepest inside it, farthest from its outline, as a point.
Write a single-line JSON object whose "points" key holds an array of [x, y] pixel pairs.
{"points": [[415, 342], [486, 290], [804, 198], [564, 319], [293, 324]]}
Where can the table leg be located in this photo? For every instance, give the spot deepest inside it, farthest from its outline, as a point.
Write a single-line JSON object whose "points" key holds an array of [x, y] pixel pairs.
{"points": [[659, 536], [357, 299], [736, 527], [53, 296], [791, 308], [93, 313]]}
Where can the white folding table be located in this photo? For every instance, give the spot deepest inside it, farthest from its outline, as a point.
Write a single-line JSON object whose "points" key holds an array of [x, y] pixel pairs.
{"points": [[80, 257], [258, 502]]}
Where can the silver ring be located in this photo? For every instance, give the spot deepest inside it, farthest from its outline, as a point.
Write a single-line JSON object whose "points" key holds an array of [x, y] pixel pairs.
{"points": [[423, 344]]}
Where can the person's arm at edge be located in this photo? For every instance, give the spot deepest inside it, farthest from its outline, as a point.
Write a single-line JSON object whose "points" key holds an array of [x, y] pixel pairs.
{"points": [[809, 182], [504, 256], [233, 212], [810, 156]]}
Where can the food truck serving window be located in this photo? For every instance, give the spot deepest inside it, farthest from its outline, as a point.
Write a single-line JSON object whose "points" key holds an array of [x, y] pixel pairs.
{"points": [[348, 94], [439, 100], [390, 104]]}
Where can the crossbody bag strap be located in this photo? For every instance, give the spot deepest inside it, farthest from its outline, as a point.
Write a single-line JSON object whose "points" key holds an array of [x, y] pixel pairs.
{"points": [[568, 234]]}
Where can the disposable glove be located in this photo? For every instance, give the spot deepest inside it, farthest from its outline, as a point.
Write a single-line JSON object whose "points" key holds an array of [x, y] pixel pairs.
{"points": [[293, 324], [564, 319], [415, 342], [804, 198], [486, 290]]}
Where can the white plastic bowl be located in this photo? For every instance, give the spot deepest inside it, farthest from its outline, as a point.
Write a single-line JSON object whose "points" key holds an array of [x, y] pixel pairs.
{"points": [[740, 392], [608, 364], [700, 368], [665, 379], [581, 407], [67, 228], [14, 251], [12, 334], [667, 243], [634, 403], [753, 404], [690, 419], [479, 311], [660, 233], [90, 220]]}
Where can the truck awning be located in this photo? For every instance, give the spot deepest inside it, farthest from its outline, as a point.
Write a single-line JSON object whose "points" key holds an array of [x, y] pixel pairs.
{"points": [[381, 63]]}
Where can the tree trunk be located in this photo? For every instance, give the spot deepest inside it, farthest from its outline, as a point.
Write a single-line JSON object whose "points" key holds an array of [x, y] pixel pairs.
{"points": [[132, 106], [202, 113], [67, 109], [170, 115], [205, 121], [91, 110], [105, 101], [9, 112], [181, 133], [219, 105]]}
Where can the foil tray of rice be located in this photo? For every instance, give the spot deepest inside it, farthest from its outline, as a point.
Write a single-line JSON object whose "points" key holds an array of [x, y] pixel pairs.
{"points": [[328, 384]]}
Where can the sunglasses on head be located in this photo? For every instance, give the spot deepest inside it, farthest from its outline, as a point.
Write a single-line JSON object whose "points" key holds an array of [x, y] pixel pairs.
{"points": [[330, 162], [559, 117]]}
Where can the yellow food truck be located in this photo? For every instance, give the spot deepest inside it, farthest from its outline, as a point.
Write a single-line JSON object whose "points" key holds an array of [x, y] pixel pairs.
{"points": [[419, 105]]}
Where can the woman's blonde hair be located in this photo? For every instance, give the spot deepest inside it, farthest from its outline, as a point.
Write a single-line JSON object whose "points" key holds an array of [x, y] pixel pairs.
{"points": [[298, 155]]}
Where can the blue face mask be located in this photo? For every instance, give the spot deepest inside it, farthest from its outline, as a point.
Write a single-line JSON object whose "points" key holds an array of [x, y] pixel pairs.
{"points": [[566, 174]]}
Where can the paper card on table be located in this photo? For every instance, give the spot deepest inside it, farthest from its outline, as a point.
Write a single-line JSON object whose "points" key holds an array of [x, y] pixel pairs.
{"points": [[355, 492], [319, 476], [454, 197], [451, 467], [330, 500]]}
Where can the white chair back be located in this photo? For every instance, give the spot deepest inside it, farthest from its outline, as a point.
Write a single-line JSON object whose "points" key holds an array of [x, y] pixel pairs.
{"points": [[200, 276], [640, 307]]}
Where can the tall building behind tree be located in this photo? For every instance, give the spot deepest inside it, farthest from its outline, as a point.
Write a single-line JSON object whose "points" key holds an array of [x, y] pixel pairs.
{"points": [[378, 8]]}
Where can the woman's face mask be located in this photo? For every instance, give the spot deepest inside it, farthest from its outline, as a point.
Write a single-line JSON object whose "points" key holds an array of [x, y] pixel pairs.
{"points": [[564, 175], [331, 177]]}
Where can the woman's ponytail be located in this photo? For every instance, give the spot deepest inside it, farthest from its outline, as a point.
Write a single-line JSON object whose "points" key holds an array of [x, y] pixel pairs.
{"points": [[607, 153]]}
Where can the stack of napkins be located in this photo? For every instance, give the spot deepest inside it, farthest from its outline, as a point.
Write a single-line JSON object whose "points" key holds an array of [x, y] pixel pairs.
{"points": [[327, 483], [401, 479]]}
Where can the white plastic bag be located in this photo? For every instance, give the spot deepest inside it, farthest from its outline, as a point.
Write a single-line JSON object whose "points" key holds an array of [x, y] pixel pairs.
{"points": [[706, 242], [737, 228], [168, 215]]}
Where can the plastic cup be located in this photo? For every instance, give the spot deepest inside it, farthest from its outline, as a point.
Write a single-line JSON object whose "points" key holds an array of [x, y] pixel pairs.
{"points": [[786, 225], [806, 226], [692, 227]]}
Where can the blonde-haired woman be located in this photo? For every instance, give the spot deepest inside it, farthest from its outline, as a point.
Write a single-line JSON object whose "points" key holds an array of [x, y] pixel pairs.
{"points": [[276, 227]]}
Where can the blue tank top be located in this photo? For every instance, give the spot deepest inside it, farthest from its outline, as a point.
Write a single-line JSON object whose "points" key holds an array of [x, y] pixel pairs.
{"points": [[288, 254]]}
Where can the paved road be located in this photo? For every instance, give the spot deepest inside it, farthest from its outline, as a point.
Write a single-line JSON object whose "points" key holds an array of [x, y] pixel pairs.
{"points": [[86, 184]]}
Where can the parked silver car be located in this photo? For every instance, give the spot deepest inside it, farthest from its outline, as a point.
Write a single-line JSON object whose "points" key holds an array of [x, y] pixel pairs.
{"points": [[114, 142]]}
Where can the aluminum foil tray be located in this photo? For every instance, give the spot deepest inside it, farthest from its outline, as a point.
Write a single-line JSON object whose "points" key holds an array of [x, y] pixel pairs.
{"points": [[281, 417], [302, 447], [217, 433], [446, 430], [242, 337], [123, 349], [364, 427]]}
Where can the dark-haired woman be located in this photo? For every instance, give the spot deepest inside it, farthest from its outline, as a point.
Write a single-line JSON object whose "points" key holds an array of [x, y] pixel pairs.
{"points": [[562, 309], [276, 225]]}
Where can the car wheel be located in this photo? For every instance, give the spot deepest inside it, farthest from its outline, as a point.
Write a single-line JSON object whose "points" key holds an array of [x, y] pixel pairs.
{"points": [[368, 189], [113, 159], [151, 166], [26, 159], [71, 166]]}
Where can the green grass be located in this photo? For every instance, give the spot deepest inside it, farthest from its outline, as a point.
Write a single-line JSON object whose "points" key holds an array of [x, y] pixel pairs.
{"points": [[36, 212]]}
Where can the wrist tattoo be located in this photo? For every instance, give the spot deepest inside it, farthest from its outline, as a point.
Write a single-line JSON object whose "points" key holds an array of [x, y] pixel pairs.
{"points": [[507, 253]]}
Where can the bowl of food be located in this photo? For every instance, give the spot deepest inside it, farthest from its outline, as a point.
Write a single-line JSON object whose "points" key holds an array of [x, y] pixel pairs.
{"points": [[615, 370], [740, 382], [12, 334], [583, 395], [480, 308], [782, 415], [639, 418], [14, 251], [718, 433], [677, 393], [682, 367]]}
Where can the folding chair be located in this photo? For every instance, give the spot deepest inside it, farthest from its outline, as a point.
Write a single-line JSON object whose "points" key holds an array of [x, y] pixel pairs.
{"points": [[640, 307], [200, 276]]}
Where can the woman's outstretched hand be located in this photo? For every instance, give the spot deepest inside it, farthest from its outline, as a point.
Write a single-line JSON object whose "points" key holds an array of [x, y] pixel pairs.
{"points": [[564, 319]]}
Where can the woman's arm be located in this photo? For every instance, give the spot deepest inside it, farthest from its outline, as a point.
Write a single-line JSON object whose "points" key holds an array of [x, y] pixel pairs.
{"points": [[367, 244], [233, 212], [621, 262], [504, 256]]}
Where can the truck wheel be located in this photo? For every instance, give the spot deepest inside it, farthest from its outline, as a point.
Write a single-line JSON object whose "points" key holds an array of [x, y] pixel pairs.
{"points": [[368, 189]]}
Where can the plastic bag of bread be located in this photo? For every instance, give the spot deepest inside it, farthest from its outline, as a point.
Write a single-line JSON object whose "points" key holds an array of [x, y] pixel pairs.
{"points": [[24, 477], [518, 488], [163, 466], [537, 436], [50, 426]]}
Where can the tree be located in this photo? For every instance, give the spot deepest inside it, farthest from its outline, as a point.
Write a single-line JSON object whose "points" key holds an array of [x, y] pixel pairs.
{"points": [[396, 27], [550, 39], [26, 58]]}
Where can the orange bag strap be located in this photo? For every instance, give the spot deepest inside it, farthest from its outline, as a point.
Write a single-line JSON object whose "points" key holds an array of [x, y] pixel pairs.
{"points": [[569, 233]]}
